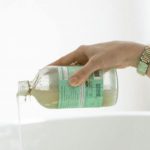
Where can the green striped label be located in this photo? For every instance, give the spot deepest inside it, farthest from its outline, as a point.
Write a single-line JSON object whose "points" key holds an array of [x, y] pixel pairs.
{"points": [[89, 94]]}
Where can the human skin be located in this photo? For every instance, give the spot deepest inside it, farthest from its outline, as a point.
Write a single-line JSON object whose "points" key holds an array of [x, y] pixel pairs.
{"points": [[114, 54]]}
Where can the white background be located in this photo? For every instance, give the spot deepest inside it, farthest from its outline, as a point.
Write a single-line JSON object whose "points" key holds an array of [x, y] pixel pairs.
{"points": [[34, 33]]}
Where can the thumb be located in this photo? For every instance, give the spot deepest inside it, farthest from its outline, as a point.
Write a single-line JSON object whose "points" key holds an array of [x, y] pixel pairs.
{"points": [[82, 75]]}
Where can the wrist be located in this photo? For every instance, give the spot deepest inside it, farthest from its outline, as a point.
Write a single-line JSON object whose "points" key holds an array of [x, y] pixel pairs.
{"points": [[137, 50]]}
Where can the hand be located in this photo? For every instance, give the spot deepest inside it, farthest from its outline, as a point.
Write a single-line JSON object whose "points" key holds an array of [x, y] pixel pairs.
{"points": [[115, 54]]}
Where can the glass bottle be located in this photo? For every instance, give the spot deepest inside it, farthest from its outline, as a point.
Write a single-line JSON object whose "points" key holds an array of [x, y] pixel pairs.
{"points": [[51, 88]]}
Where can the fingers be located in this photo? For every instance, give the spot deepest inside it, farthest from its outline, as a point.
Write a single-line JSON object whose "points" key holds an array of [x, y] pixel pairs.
{"points": [[92, 65], [82, 75], [66, 60]]}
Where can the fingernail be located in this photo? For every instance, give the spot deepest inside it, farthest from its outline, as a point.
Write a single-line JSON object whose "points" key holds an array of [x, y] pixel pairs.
{"points": [[73, 81]]}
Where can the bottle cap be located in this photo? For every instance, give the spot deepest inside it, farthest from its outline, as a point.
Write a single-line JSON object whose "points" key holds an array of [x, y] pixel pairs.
{"points": [[23, 88]]}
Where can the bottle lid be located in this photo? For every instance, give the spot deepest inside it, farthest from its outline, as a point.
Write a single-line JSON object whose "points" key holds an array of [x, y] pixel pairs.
{"points": [[23, 88]]}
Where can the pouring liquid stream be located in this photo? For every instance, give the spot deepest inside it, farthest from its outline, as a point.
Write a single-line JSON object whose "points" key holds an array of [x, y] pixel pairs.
{"points": [[19, 125]]}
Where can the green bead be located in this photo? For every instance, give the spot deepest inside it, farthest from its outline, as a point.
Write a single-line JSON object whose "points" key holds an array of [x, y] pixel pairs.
{"points": [[142, 68]]}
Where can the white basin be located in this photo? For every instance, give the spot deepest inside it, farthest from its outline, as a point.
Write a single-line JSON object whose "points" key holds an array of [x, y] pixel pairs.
{"points": [[116, 131]]}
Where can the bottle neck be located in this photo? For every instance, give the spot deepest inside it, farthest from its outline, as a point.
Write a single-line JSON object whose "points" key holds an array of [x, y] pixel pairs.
{"points": [[23, 88]]}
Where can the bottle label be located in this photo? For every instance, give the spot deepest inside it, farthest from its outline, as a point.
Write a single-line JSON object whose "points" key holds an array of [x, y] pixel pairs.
{"points": [[89, 94]]}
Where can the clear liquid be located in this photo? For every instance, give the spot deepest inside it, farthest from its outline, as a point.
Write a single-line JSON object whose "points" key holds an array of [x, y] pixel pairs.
{"points": [[19, 126]]}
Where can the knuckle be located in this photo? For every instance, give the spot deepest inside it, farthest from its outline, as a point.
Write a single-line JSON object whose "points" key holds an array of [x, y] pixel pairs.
{"points": [[82, 47], [93, 61], [97, 64]]}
